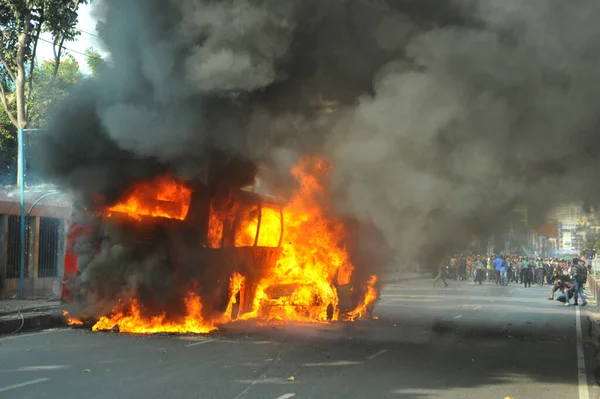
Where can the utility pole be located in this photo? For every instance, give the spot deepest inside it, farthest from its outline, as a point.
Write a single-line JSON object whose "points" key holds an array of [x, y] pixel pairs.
{"points": [[21, 185]]}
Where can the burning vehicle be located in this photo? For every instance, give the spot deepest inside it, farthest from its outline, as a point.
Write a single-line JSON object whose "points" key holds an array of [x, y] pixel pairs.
{"points": [[194, 256]]}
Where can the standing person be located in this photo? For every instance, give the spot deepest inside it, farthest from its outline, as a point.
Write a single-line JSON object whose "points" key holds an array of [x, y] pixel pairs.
{"points": [[504, 271], [518, 270], [453, 269], [490, 269], [541, 273], [440, 273], [462, 268], [579, 273], [548, 272], [479, 271], [497, 268], [527, 273], [589, 254]]}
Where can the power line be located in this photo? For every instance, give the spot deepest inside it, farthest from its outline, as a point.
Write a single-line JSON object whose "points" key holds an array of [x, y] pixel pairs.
{"points": [[74, 51], [86, 32]]}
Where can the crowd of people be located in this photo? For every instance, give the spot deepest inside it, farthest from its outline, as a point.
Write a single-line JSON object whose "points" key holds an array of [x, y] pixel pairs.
{"points": [[565, 276]]}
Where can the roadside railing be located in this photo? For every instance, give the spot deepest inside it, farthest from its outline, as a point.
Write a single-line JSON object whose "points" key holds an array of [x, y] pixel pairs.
{"points": [[594, 287]]}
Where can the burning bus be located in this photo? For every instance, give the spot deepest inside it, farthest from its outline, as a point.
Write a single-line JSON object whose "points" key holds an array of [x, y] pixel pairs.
{"points": [[193, 256]]}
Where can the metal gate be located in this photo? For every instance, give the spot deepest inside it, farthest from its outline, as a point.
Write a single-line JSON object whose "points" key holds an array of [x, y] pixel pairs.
{"points": [[13, 246], [49, 247]]}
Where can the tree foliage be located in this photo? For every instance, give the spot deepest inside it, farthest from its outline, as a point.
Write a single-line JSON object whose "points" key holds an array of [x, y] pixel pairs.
{"points": [[21, 24], [8, 146], [94, 60], [48, 88]]}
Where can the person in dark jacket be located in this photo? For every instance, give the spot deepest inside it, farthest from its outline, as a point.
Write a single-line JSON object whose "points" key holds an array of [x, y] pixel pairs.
{"points": [[579, 272], [527, 273], [462, 268], [441, 273]]}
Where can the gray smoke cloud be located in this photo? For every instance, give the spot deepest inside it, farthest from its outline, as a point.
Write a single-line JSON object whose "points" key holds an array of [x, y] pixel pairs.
{"points": [[439, 116], [474, 121]]}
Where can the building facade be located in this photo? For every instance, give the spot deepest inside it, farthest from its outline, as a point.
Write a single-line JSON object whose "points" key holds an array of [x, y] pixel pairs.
{"points": [[47, 218]]}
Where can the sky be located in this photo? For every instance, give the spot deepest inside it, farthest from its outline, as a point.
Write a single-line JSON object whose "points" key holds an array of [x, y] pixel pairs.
{"points": [[87, 24]]}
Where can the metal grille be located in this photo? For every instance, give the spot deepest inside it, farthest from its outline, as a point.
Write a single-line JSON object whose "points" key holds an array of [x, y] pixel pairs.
{"points": [[13, 246], [49, 247]]}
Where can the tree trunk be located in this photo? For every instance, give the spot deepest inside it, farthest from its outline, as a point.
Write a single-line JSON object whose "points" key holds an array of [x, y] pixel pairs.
{"points": [[20, 89], [34, 54], [58, 52]]}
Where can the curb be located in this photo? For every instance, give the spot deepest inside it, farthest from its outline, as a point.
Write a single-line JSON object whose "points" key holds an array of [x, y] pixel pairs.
{"points": [[45, 309], [30, 322]]}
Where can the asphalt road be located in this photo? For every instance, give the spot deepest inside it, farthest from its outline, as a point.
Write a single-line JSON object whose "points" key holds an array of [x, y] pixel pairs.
{"points": [[464, 341]]}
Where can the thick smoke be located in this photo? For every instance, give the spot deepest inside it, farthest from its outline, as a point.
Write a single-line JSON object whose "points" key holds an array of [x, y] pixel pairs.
{"points": [[474, 121], [439, 116]]}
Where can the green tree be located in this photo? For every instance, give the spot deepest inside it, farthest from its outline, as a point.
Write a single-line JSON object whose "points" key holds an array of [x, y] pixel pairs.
{"points": [[592, 239], [21, 24], [8, 147], [94, 60], [49, 87]]}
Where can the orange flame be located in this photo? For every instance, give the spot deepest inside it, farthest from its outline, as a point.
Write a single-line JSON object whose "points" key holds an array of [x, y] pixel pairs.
{"points": [[369, 298], [302, 286], [131, 320], [215, 229], [246, 234], [71, 321], [164, 197], [236, 283]]}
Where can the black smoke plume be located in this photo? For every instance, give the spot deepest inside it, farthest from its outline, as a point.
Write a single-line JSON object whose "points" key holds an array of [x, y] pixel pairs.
{"points": [[440, 116]]}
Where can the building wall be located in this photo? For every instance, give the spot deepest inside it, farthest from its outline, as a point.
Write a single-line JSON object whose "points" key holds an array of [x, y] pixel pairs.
{"points": [[35, 284]]}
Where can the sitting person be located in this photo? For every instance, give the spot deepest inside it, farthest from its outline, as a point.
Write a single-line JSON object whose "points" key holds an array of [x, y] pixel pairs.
{"points": [[559, 285], [567, 293]]}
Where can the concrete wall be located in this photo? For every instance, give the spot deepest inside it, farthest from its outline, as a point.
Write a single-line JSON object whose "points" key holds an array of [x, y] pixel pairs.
{"points": [[33, 286]]}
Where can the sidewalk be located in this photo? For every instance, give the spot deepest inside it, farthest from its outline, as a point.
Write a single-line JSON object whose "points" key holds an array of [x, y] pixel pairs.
{"points": [[11, 306], [20, 315]]}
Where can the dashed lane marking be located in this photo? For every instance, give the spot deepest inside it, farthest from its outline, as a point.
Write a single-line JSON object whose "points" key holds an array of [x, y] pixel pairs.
{"points": [[24, 384], [332, 364], [287, 396], [374, 355], [266, 381], [206, 341], [457, 317]]}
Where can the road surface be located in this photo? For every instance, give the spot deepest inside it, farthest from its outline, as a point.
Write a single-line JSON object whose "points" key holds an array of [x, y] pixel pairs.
{"points": [[465, 341]]}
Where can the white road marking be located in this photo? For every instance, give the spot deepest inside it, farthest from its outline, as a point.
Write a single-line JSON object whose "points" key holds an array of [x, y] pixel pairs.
{"points": [[251, 383], [206, 341], [582, 376], [24, 384], [287, 396], [457, 317], [338, 363], [477, 307], [274, 381], [43, 368], [374, 355], [31, 335]]}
